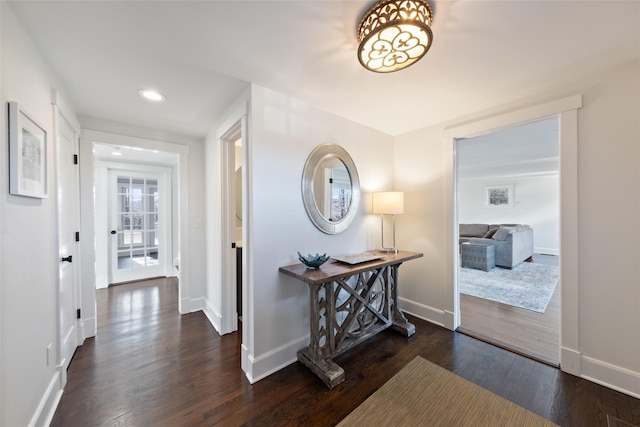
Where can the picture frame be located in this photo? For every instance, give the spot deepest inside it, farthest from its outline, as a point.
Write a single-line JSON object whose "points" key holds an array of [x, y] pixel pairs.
{"points": [[28, 174], [499, 196]]}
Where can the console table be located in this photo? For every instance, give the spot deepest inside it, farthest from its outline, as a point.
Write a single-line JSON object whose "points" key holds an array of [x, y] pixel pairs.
{"points": [[348, 305]]}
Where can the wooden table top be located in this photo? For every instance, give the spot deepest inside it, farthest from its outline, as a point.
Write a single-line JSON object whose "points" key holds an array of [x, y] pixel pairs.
{"points": [[333, 270]]}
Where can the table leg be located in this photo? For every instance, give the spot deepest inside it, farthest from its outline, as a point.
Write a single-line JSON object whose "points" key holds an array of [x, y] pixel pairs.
{"points": [[315, 356], [400, 323], [328, 371]]}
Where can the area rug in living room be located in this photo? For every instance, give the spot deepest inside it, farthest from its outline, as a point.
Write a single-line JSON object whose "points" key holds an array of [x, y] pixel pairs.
{"points": [[528, 285], [424, 394]]}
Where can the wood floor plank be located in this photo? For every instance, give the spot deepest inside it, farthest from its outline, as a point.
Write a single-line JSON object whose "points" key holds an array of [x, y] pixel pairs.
{"points": [[525, 331], [150, 366]]}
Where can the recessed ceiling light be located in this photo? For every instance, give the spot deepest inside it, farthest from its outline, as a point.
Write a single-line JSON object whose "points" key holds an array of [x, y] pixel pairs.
{"points": [[151, 95]]}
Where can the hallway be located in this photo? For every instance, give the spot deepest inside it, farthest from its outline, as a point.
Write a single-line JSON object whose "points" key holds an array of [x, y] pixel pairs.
{"points": [[148, 365]]}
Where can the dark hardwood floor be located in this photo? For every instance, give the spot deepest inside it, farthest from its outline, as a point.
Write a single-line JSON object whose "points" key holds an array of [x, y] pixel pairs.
{"points": [[149, 366]]}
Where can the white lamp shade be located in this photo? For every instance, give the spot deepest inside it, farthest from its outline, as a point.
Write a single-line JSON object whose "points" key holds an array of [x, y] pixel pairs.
{"points": [[388, 203]]}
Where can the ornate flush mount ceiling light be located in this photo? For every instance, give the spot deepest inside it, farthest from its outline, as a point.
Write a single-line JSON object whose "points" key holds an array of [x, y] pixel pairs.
{"points": [[394, 34]]}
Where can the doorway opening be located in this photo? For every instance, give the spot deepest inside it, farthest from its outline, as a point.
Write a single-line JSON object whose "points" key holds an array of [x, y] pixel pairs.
{"points": [[134, 214], [233, 228], [567, 111], [509, 234]]}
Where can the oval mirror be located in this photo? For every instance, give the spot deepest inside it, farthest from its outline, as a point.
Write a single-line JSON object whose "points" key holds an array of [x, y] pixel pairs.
{"points": [[330, 188]]}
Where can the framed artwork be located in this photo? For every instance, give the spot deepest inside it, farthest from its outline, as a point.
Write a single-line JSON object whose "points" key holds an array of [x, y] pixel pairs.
{"points": [[498, 196], [27, 155]]}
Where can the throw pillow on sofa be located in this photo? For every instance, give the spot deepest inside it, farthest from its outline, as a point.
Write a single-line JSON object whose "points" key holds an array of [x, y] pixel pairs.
{"points": [[501, 233], [490, 233]]}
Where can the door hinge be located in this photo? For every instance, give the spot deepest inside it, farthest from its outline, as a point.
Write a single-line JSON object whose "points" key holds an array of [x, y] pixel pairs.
{"points": [[77, 236], [75, 159], [78, 313], [330, 180], [233, 245]]}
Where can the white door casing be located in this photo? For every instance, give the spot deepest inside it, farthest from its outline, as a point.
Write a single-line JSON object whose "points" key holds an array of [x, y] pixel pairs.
{"points": [[567, 110]]}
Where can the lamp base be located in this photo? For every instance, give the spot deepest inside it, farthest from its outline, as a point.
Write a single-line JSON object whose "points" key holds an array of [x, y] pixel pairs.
{"points": [[393, 248]]}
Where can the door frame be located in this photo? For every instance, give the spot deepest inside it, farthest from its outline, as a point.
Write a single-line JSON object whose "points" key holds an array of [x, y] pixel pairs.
{"points": [[567, 111], [510, 343]]}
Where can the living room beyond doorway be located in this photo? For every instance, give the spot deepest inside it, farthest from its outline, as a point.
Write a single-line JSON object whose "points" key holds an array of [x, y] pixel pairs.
{"points": [[508, 222]]}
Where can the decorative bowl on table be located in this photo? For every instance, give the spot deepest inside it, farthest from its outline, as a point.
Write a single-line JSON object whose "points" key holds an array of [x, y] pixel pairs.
{"points": [[313, 261]]}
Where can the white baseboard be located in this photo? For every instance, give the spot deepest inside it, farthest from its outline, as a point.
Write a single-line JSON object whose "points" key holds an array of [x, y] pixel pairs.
{"points": [[184, 305], [570, 361], [424, 312], [611, 376], [88, 327], [80, 331], [244, 360], [62, 373], [48, 403], [546, 251], [197, 304], [214, 317], [450, 320], [599, 372], [264, 365]]}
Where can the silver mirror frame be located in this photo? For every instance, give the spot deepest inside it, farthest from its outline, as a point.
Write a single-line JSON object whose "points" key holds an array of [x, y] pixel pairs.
{"points": [[315, 158]]}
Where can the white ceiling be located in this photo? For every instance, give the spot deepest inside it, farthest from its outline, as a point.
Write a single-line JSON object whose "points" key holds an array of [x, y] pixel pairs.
{"points": [[527, 150], [125, 154], [203, 54]]}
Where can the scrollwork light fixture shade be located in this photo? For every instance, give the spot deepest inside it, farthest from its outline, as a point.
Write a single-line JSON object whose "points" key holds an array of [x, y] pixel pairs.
{"points": [[394, 34]]}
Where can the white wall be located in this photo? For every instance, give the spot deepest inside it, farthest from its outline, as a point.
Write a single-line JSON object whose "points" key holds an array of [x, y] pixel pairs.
{"points": [[29, 264], [536, 203], [282, 133], [609, 203]]}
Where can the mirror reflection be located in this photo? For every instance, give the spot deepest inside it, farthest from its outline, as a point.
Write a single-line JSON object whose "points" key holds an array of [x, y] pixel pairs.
{"points": [[332, 188]]}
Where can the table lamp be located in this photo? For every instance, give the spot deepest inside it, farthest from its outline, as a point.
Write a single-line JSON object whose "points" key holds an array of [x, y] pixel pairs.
{"points": [[388, 203]]}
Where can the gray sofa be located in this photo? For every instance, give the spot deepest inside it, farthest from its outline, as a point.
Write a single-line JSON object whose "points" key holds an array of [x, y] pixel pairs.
{"points": [[513, 242]]}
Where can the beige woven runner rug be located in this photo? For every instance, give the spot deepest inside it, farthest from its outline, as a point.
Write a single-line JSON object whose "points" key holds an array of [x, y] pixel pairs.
{"points": [[424, 394]]}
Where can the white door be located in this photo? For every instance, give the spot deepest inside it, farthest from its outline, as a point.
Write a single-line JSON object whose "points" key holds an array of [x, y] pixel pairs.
{"points": [[69, 246], [338, 192], [137, 225]]}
